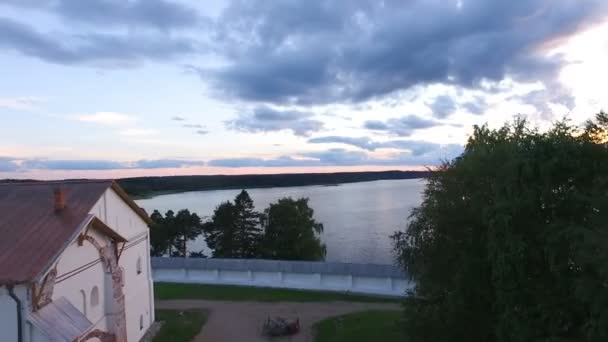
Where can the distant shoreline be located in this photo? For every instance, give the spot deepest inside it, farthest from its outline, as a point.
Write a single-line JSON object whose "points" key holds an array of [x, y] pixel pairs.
{"points": [[147, 187]]}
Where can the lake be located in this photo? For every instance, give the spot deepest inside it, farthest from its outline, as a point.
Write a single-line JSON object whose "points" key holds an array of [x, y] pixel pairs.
{"points": [[358, 217]]}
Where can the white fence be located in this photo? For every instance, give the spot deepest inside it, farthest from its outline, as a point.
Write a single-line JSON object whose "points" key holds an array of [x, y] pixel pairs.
{"points": [[327, 276]]}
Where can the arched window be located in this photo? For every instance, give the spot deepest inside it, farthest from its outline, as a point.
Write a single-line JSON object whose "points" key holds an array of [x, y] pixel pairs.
{"points": [[94, 296], [141, 322], [84, 302], [138, 265]]}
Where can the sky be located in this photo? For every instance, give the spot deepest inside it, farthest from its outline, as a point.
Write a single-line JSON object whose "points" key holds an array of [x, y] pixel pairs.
{"points": [[119, 88]]}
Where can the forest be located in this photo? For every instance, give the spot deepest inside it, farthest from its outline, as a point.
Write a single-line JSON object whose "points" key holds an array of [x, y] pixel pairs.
{"points": [[148, 186]]}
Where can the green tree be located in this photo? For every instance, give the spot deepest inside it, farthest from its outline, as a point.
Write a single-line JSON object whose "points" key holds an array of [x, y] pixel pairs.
{"points": [[291, 232], [510, 242], [173, 231], [159, 236], [220, 231], [247, 226], [185, 227]]}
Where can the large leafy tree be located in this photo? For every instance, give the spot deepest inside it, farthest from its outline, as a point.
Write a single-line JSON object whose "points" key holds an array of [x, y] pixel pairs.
{"points": [[291, 232], [510, 242]]}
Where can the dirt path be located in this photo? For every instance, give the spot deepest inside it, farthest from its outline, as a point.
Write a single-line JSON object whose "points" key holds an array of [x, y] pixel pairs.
{"points": [[242, 321]]}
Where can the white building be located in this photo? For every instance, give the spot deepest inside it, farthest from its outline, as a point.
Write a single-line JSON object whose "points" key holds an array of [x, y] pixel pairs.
{"points": [[74, 263]]}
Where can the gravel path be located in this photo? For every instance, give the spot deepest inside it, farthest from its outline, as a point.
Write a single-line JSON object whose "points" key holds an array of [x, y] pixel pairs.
{"points": [[242, 321]]}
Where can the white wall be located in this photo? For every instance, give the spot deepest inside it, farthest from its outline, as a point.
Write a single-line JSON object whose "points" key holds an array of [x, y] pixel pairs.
{"points": [[8, 316], [79, 270], [357, 283], [139, 298], [115, 213], [138, 287]]}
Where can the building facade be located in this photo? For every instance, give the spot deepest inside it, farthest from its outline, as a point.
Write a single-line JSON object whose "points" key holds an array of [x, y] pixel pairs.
{"points": [[74, 263]]}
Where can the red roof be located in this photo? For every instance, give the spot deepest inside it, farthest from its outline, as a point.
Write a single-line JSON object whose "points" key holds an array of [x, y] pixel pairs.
{"points": [[32, 233]]}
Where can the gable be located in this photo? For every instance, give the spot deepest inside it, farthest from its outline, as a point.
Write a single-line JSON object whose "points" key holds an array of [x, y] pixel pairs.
{"points": [[119, 215]]}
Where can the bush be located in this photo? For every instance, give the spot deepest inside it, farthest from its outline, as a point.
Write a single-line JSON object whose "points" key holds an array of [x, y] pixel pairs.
{"points": [[511, 240]]}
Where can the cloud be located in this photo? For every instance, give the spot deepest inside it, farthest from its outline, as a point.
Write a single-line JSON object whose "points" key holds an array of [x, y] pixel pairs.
{"points": [[138, 132], [415, 147], [177, 118], [165, 163], [8, 164], [193, 125], [83, 165], [106, 118], [282, 161], [267, 119], [476, 106], [342, 157], [442, 106], [159, 14], [202, 132], [80, 165], [317, 52], [96, 49], [403, 126], [19, 103]]}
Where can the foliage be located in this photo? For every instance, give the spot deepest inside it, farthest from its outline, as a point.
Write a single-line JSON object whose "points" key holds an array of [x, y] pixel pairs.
{"points": [[511, 240], [247, 224], [160, 239], [291, 232], [179, 326], [220, 231], [169, 291], [173, 231], [368, 326], [146, 186]]}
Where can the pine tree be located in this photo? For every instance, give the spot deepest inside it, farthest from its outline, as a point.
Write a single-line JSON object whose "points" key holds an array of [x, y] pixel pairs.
{"points": [[247, 226]]}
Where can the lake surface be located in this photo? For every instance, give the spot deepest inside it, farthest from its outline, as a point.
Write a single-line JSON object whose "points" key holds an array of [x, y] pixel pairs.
{"points": [[358, 217]]}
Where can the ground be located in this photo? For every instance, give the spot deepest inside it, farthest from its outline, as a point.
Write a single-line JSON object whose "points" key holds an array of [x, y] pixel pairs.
{"points": [[241, 321], [164, 291], [361, 327]]}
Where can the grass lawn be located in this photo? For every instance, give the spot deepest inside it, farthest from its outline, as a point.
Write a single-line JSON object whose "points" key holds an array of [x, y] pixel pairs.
{"points": [[259, 294], [179, 326], [374, 325]]}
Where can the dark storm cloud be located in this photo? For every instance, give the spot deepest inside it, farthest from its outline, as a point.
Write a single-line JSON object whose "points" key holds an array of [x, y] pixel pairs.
{"points": [[403, 126], [330, 51], [89, 48], [159, 14], [266, 119], [442, 106]]}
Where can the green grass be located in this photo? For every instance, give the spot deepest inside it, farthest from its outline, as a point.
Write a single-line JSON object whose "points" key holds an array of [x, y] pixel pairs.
{"points": [[374, 325], [258, 294], [179, 325]]}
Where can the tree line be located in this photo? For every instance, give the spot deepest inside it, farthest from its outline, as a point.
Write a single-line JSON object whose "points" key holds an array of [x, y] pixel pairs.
{"points": [[143, 186], [510, 243], [285, 230]]}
